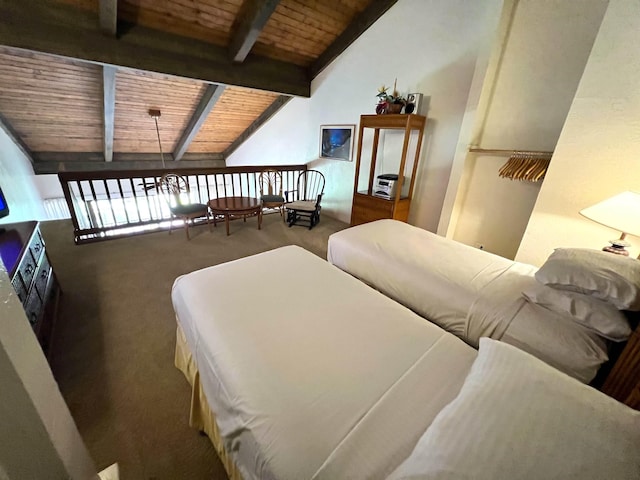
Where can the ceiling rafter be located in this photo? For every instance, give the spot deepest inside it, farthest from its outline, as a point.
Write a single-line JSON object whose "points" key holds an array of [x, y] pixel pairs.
{"points": [[252, 19], [108, 16], [271, 110], [15, 138], [67, 31], [109, 109], [207, 101], [46, 26], [357, 27]]}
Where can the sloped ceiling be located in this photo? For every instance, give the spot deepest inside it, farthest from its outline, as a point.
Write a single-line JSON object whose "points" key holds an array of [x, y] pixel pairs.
{"points": [[78, 77]]}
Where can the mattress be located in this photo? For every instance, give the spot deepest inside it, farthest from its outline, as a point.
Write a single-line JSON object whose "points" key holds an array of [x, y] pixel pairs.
{"points": [[311, 373], [468, 292]]}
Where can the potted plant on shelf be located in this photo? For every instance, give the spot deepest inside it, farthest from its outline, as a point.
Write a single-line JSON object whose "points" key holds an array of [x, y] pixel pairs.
{"points": [[389, 103]]}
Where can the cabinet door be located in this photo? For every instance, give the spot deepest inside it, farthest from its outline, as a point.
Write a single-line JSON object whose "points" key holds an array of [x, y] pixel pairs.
{"points": [[42, 276], [33, 308], [37, 246], [367, 208], [27, 269], [19, 287]]}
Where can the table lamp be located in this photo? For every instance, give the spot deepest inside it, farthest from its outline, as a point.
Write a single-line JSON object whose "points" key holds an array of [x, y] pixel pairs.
{"points": [[620, 212]]}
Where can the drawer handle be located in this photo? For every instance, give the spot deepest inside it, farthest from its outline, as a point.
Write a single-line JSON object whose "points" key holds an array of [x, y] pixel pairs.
{"points": [[44, 274], [37, 247], [29, 270]]}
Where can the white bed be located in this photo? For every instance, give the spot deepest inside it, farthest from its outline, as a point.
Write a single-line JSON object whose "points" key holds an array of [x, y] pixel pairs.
{"points": [[311, 373], [306, 373], [466, 291]]}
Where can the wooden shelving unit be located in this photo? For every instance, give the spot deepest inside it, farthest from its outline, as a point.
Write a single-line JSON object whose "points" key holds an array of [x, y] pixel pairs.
{"points": [[366, 206]]}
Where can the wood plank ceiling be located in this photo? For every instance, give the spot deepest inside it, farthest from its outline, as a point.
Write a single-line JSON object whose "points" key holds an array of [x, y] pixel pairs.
{"points": [[136, 93], [57, 98]]}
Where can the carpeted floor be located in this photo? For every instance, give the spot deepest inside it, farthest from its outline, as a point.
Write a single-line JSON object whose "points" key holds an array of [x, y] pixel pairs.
{"points": [[115, 338]]}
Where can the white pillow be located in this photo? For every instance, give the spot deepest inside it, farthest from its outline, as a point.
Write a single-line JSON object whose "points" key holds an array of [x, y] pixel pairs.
{"points": [[607, 276], [558, 341], [594, 314], [518, 418]]}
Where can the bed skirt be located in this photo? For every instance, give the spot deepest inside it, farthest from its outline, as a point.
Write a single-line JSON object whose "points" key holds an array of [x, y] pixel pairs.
{"points": [[200, 416]]}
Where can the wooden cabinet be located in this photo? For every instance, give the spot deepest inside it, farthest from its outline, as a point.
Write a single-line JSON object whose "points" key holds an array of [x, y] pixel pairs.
{"points": [[623, 382], [23, 253], [368, 203]]}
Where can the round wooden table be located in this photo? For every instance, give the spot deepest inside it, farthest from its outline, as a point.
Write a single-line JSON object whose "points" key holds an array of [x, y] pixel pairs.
{"points": [[235, 207]]}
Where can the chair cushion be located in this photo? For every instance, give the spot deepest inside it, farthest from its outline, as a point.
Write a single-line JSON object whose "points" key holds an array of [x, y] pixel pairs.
{"points": [[303, 205], [189, 209], [272, 198]]}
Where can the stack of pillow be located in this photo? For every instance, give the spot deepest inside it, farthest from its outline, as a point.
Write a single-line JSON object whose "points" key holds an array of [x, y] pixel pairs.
{"points": [[591, 287], [516, 417]]}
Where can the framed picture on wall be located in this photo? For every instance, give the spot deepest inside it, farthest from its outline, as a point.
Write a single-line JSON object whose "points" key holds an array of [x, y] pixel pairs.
{"points": [[336, 142]]}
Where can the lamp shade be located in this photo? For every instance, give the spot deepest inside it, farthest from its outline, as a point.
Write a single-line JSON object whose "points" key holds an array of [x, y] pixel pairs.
{"points": [[620, 212]]}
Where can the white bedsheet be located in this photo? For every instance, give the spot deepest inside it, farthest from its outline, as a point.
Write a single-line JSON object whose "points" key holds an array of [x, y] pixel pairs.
{"points": [[437, 278], [466, 291], [311, 373]]}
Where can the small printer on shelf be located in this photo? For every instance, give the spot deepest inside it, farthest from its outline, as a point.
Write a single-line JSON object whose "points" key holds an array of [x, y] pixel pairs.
{"points": [[386, 186]]}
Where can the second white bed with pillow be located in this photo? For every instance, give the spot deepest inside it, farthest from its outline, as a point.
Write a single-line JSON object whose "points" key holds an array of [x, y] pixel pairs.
{"points": [[466, 291]]}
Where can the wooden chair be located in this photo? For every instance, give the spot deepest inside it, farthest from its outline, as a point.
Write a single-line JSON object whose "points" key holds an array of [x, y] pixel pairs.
{"points": [[270, 182], [305, 204], [175, 190]]}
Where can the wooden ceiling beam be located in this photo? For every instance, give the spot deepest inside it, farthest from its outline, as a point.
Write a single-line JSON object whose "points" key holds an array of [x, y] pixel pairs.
{"points": [[59, 29], [253, 17], [208, 100], [271, 110], [357, 27], [109, 109], [15, 138], [108, 14]]}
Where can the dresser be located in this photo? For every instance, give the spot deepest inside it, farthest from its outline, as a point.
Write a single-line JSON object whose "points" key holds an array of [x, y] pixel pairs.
{"points": [[24, 255]]}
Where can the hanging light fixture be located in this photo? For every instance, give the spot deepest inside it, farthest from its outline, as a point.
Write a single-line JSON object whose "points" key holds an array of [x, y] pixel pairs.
{"points": [[155, 114], [147, 184]]}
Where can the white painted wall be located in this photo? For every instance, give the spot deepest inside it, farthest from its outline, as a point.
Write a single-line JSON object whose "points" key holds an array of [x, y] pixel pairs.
{"points": [[541, 61], [430, 46], [494, 211], [598, 151], [17, 182], [48, 186]]}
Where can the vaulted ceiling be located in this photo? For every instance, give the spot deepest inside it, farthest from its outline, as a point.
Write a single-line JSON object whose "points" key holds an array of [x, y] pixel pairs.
{"points": [[78, 77]]}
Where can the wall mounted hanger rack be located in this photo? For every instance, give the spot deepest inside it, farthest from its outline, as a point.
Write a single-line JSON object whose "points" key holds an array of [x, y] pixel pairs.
{"points": [[527, 165]]}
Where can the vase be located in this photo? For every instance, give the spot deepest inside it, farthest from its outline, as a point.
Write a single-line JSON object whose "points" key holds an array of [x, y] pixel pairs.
{"points": [[394, 108]]}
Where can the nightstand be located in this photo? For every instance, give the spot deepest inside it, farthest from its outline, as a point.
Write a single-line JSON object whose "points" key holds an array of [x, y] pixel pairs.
{"points": [[623, 382]]}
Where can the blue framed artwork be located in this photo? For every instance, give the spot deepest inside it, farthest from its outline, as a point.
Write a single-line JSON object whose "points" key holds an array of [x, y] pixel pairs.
{"points": [[336, 142]]}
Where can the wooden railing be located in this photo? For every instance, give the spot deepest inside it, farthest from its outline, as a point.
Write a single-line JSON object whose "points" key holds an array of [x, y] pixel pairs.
{"points": [[108, 204]]}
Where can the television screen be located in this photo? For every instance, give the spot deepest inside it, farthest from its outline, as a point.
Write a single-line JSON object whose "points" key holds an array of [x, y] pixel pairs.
{"points": [[4, 208]]}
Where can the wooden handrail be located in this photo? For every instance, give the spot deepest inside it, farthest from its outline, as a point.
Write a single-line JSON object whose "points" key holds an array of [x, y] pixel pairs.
{"points": [[103, 203], [113, 174]]}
